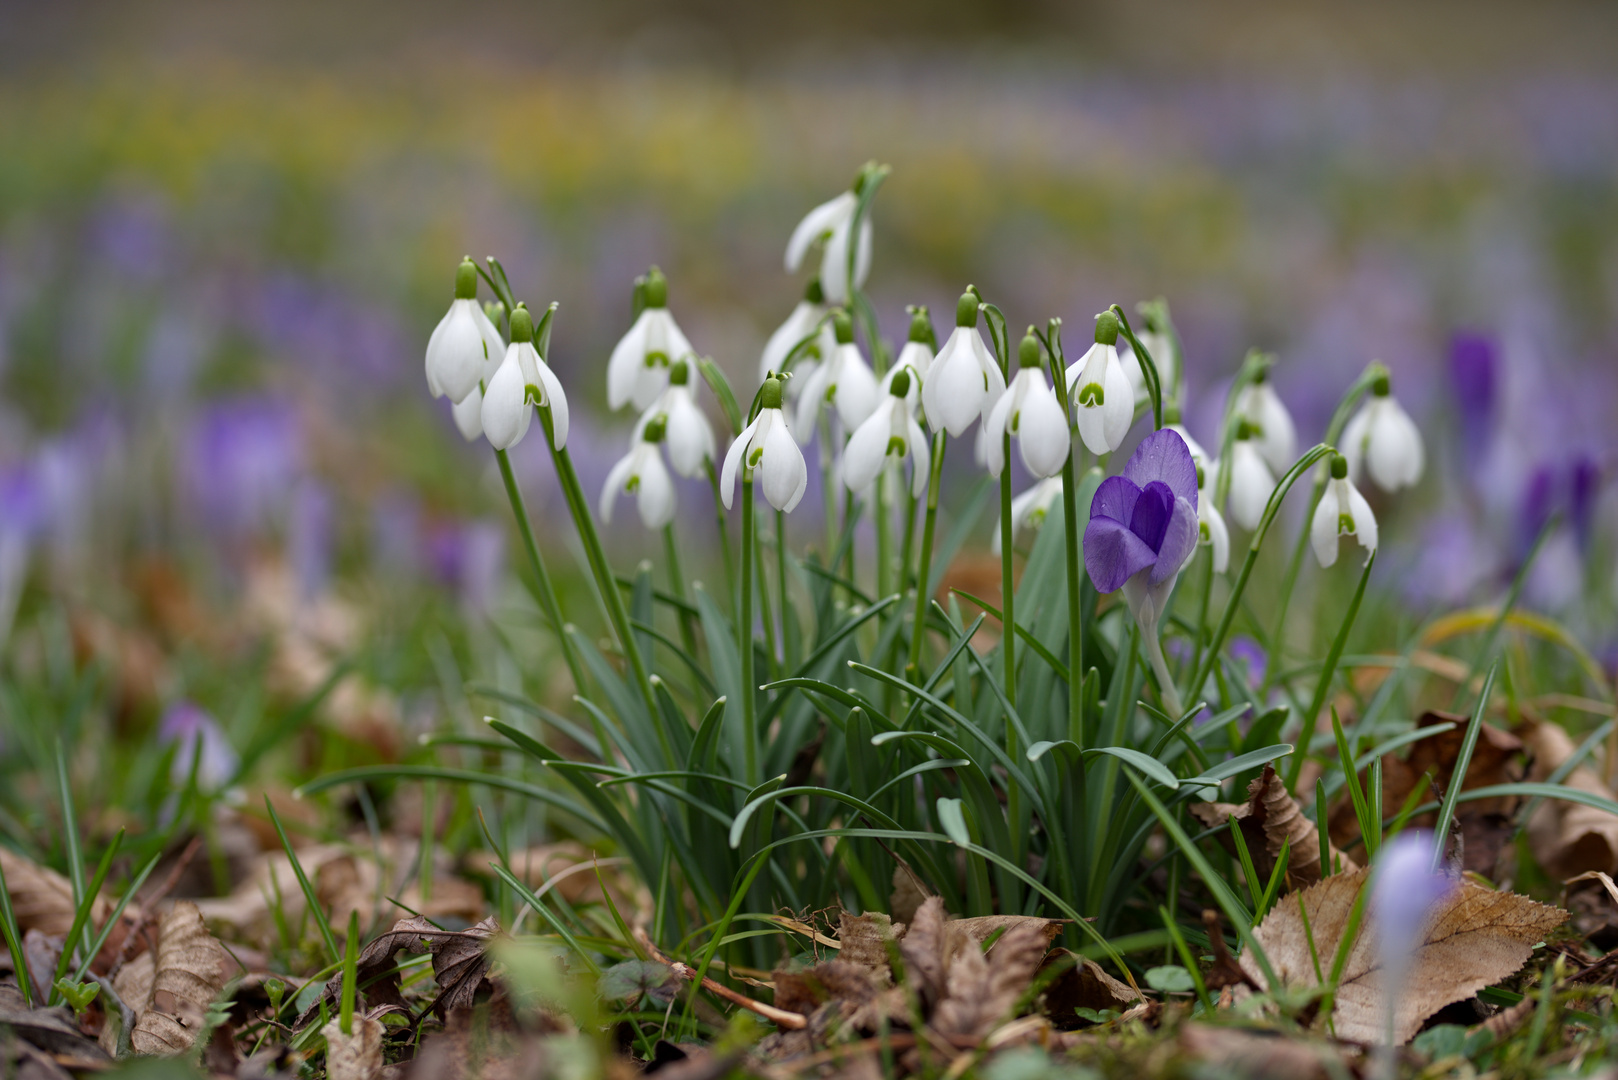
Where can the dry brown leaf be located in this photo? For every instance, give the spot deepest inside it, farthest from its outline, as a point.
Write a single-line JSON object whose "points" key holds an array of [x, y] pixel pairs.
{"points": [[1269, 818], [958, 932], [187, 979], [1475, 936], [803, 990], [42, 899], [133, 985], [1256, 1055], [1082, 984], [923, 950], [864, 940], [356, 1056], [460, 964], [909, 893], [983, 988], [1568, 838]]}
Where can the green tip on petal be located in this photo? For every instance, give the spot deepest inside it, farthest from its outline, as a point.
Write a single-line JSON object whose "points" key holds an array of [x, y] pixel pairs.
{"points": [[843, 327], [1028, 352], [1107, 328], [921, 324], [466, 279], [679, 373], [966, 308], [1381, 385], [655, 429], [900, 386], [814, 293], [1339, 467], [657, 289], [770, 396], [522, 325], [1244, 430]]}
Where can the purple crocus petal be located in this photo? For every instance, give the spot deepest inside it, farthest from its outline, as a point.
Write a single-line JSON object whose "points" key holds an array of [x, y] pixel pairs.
{"points": [[1113, 554], [1538, 501], [1153, 510], [1179, 541], [1115, 499], [1472, 367], [1163, 456], [1586, 483]]}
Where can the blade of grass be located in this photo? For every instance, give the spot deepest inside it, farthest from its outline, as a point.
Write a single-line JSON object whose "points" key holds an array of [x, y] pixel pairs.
{"points": [[1328, 671], [313, 901], [1469, 742], [1187, 959], [1362, 811], [70, 835], [351, 959], [112, 920], [8, 925], [81, 915], [1249, 872]]}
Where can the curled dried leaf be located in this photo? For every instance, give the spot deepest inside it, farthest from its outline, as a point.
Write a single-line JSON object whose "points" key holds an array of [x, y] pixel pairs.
{"points": [[1268, 819], [186, 979], [1568, 838], [983, 988]]}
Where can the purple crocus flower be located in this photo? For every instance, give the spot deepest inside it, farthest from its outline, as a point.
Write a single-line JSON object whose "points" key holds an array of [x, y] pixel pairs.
{"points": [[1584, 484], [1404, 893], [1472, 366], [190, 726]]}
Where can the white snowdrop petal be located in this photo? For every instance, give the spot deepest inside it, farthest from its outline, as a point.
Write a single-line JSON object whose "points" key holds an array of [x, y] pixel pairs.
{"points": [[733, 460], [993, 433], [798, 325], [1042, 431], [815, 224], [921, 457], [862, 258], [655, 496], [456, 354], [432, 352], [1218, 535], [811, 399], [1323, 527], [994, 381], [856, 396], [1250, 485], [865, 452], [622, 469], [627, 360], [468, 413], [504, 409], [1352, 443], [916, 356], [1119, 410], [1365, 530], [690, 438], [1279, 440], [556, 401], [783, 466]]}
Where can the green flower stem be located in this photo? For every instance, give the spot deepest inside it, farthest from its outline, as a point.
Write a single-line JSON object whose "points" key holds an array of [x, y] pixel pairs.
{"points": [[611, 597], [1334, 431], [1323, 684], [1070, 523], [827, 491], [766, 616], [788, 653], [1008, 588], [1273, 507], [548, 601], [724, 532], [671, 552], [744, 638], [1202, 612], [884, 532], [1148, 367], [918, 630]]}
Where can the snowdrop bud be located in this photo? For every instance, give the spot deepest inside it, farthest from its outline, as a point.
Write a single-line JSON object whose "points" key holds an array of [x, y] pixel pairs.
{"points": [[768, 450], [963, 382], [899, 385], [1029, 354], [1251, 482], [1029, 410], [462, 342], [1101, 390], [843, 327], [641, 473], [637, 371], [966, 309], [1343, 511], [522, 378], [1382, 439], [921, 325]]}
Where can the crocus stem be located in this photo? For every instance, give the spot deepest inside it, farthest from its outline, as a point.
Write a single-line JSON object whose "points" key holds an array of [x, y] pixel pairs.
{"points": [[744, 638], [918, 630], [724, 533], [547, 592], [1165, 682], [671, 552], [611, 597]]}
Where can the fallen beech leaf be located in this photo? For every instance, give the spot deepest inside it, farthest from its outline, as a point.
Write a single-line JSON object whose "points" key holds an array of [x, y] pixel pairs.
{"points": [[460, 964], [958, 932], [864, 940], [1474, 936], [52, 1030], [909, 893], [983, 988], [1269, 818], [1257, 1055], [42, 899], [186, 981], [923, 951], [1568, 838], [1083, 984], [355, 1056], [803, 990]]}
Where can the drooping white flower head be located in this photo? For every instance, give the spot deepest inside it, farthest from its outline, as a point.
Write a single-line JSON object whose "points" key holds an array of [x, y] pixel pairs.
{"points": [[1251, 482], [963, 382], [641, 472], [1028, 510], [1382, 439], [462, 342], [766, 448], [1101, 390], [1030, 411], [1273, 431], [523, 378], [468, 412], [689, 435], [831, 223], [639, 367], [917, 353], [844, 380], [1343, 511], [1210, 522], [808, 319], [890, 431]]}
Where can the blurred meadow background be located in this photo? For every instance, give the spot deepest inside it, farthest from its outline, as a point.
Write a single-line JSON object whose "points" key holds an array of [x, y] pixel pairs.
{"points": [[227, 229]]}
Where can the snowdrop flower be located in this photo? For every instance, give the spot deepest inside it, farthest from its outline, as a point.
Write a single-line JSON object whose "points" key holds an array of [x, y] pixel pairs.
{"points": [[1028, 510], [690, 438], [1270, 422], [462, 342], [641, 472], [831, 222], [1142, 531], [1343, 511], [1251, 482], [808, 318], [1161, 348], [768, 449], [523, 377], [639, 367], [1404, 893], [1382, 437], [964, 381], [844, 380], [1101, 390], [889, 431], [1210, 522], [468, 412], [1029, 410]]}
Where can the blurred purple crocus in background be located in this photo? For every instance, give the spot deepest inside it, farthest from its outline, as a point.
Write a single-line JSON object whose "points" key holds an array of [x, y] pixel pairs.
{"points": [[1472, 367], [189, 726], [242, 459], [1142, 530], [1404, 893]]}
